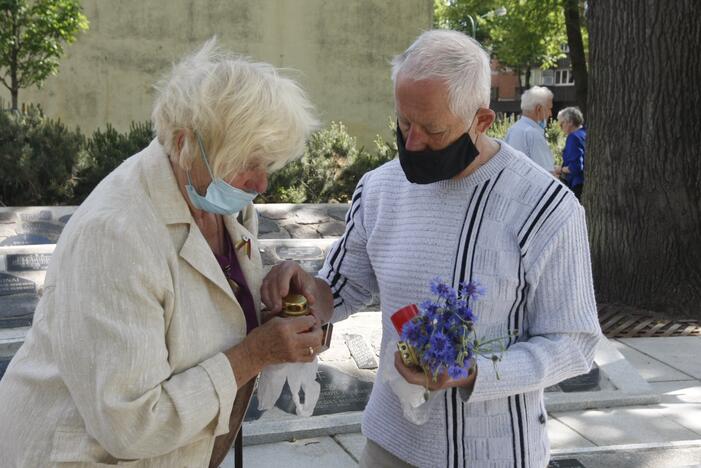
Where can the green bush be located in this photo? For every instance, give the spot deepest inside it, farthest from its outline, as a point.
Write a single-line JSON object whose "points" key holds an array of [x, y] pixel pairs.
{"points": [[44, 163], [37, 156], [329, 170], [104, 151]]}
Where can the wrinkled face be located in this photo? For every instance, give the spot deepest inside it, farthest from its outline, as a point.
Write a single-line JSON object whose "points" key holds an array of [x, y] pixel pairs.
{"points": [[424, 115], [253, 178], [566, 127]]}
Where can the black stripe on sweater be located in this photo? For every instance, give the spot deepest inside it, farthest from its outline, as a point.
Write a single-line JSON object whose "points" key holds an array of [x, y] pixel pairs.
{"points": [[340, 248], [543, 209], [513, 431], [519, 417]]}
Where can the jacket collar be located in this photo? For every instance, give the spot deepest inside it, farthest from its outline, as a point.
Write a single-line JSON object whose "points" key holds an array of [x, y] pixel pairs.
{"points": [[169, 203]]}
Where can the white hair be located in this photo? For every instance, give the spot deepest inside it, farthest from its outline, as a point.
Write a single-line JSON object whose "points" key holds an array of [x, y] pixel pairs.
{"points": [[572, 115], [535, 96], [244, 112], [456, 59]]}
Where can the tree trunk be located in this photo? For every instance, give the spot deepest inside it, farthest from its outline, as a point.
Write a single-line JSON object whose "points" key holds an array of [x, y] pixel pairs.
{"points": [[576, 46], [643, 179], [528, 78]]}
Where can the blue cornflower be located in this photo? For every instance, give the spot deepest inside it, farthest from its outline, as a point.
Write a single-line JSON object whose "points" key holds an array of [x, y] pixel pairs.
{"points": [[443, 291], [473, 290], [457, 372]]}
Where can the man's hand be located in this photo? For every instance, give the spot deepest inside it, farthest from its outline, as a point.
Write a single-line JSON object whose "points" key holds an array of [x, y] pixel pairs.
{"points": [[416, 376], [288, 277]]}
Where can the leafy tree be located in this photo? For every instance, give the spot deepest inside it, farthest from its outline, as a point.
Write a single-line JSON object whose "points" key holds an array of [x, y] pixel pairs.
{"points": [[528, 35], [32, 36]]}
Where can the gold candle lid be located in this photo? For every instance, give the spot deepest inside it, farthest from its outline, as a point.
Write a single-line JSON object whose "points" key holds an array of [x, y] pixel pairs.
{"points": [[294, 305]]}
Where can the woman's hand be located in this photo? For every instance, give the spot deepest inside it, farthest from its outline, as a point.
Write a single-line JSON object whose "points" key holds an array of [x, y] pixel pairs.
{"points": [[416, 376], [279, 340], [288, 339], [288, 277]]}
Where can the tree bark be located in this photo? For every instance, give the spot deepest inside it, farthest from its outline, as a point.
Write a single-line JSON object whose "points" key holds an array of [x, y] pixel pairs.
{"points": [[576, 46], [643, 164]]}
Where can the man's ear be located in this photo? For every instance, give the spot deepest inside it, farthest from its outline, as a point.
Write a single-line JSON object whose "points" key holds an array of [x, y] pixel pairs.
{"points": [[485, 118]]}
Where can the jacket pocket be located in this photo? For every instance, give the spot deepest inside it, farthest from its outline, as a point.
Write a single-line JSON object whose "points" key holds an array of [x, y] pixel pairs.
{"points": [[74, 448]]}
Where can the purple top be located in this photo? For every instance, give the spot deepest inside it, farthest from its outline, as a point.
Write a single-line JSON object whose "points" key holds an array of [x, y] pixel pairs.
{"points": [[230, 266]]}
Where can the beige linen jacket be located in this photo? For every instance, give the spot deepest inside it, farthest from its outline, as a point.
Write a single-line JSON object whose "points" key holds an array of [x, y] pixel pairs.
{"points": [[123, 364]]}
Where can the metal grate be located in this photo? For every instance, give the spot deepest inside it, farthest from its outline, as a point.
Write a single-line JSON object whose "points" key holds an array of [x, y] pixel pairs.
{"points": [[617, 324]]}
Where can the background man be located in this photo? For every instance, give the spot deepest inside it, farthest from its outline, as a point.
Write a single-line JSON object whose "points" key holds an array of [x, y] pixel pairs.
{"points": [[460, 206], [528, 133]]}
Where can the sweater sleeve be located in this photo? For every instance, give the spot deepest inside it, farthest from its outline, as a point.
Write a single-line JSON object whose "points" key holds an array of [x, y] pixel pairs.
{"points": [[562, 328], [109, 329], [347, 268]]}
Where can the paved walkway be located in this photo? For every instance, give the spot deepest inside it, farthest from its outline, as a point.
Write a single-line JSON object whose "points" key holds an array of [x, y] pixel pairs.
{"points": [[661, 435]]}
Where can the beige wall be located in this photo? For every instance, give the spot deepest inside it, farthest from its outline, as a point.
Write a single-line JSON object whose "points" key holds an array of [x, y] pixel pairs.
{"points": [[340, 49]]}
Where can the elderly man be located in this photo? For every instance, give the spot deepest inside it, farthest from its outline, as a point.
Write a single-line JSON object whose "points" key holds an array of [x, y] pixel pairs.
{"points": [[461, 206], [528, 133]]}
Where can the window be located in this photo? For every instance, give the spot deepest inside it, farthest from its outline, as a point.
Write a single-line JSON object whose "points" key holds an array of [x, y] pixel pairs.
{"points": [[563, 78]]}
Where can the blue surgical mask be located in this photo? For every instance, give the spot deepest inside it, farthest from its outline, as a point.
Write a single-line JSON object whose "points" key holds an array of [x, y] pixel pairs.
{"points": [[542, 124], [221, 198]]}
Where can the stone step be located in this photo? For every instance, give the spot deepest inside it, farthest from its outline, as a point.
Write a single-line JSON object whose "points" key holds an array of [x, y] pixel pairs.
{"points": [[43, 224]]}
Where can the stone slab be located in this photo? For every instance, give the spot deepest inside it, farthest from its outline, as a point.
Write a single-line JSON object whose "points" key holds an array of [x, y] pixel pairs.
{"points": [[277, 429], [684, 391], [681, 353], [649, 368], [11, 339], [654, 455], [307, 453], [353, 444], [562, 436], [625, 425], [360, 350]]}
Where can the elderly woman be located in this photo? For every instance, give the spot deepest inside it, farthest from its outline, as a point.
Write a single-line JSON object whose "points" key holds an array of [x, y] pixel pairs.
{"points": [[572, 170], [147, 339]]}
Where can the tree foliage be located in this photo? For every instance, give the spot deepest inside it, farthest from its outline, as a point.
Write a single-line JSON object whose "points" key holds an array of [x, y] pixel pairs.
{"points": [[32, 37], [530, 34]]}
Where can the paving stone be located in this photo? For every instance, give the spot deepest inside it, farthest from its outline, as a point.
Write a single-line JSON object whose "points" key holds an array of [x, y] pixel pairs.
{"points": [[681, 352], [267, 225], [275, 210], [684, 391], [562, 436], [281, 234], [353, 443], [649, 368], [309, 214], [338, 211], [625, 425], [306, 453], [331, 229], [305, 231]]}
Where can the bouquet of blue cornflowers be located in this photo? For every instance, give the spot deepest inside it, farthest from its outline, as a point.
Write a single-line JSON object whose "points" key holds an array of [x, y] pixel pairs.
{"points": [[442, 336]]}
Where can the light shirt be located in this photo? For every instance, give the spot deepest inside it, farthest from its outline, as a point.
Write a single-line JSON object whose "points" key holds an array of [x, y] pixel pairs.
{"points": [[529, 138]]}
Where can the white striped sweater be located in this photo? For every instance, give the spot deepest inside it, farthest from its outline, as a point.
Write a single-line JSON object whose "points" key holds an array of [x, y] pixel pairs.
{"points": [[511, 226]]}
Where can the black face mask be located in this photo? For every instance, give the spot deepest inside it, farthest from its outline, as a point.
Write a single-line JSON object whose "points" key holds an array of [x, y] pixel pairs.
{"points": [[429, 166]]}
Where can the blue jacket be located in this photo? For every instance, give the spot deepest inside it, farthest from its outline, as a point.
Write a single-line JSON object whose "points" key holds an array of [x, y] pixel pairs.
{"points": [[573, 157]]}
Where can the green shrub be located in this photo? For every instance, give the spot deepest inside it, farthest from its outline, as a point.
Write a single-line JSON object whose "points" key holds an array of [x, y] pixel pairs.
{"points": [[329, 170], [37, 156], [106, 150]]}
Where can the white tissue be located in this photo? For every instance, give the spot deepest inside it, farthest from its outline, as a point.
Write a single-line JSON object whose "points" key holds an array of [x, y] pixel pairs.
{"points": [[298, 375], [411, 397]]}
